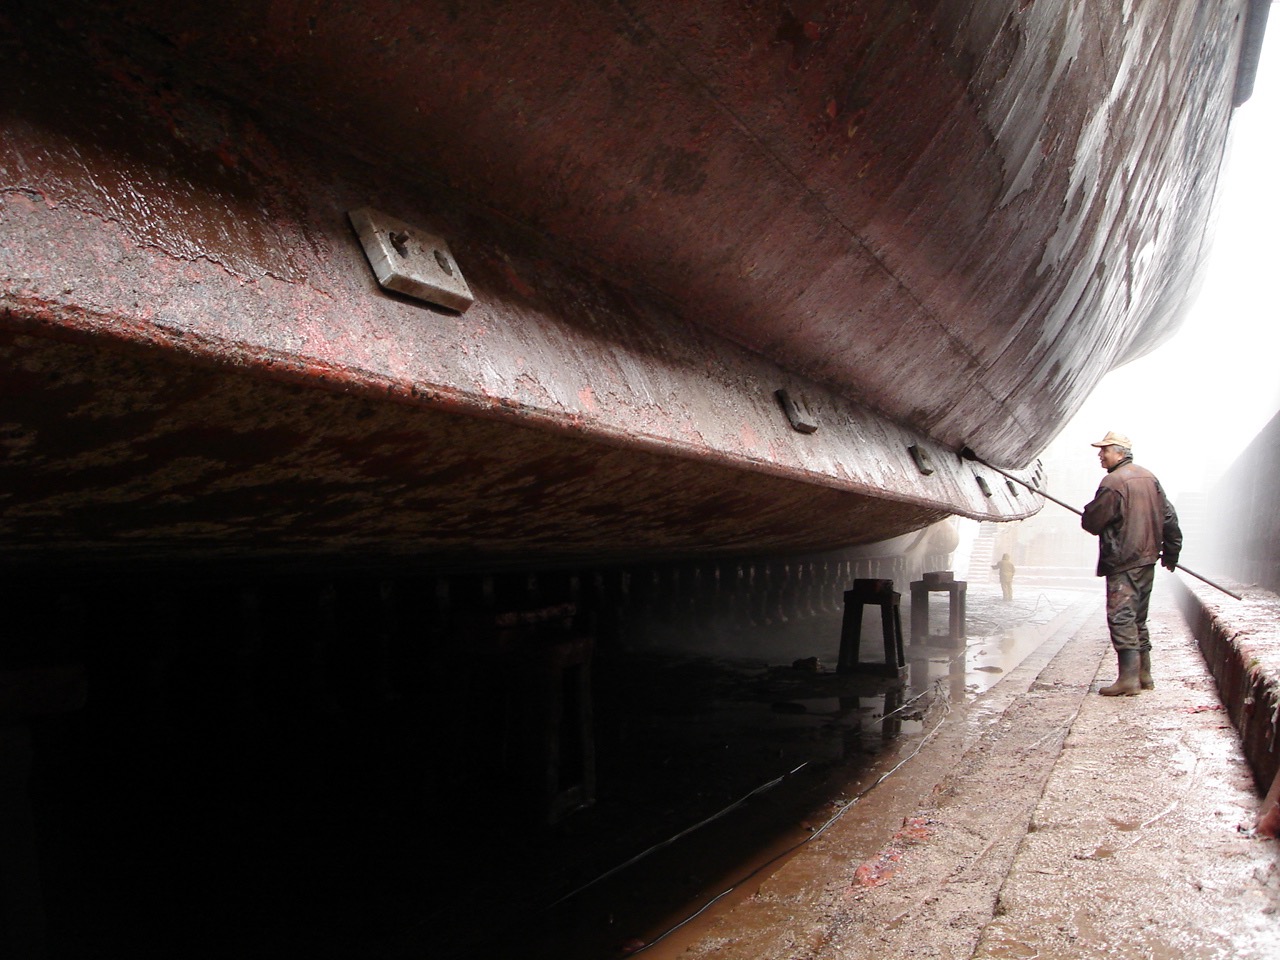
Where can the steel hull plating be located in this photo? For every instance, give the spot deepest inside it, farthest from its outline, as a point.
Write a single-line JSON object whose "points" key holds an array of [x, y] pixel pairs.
{"points": [[934, 225]]}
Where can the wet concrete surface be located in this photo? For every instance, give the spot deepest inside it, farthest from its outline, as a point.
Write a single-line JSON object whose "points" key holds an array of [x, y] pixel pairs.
{"points": [[749, 803], [733, 765], [1038, 820]]}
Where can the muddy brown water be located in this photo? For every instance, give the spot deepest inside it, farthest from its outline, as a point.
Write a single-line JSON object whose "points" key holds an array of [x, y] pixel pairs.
{"points": [[233, 836]]}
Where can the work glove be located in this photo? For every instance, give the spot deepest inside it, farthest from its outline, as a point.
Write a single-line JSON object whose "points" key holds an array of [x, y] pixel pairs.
{"points": [[1169, 561]]}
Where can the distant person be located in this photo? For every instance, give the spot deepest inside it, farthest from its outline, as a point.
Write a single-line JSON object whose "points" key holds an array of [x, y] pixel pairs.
{"points": [[1135, 525], [1005, 566]]}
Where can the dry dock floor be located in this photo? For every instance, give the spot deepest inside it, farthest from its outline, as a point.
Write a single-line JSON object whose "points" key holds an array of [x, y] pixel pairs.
{"points": [[1038, 820]]}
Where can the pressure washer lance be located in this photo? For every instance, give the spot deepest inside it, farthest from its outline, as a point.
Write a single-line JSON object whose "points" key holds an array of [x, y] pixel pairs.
{"points": [[968, 454]]}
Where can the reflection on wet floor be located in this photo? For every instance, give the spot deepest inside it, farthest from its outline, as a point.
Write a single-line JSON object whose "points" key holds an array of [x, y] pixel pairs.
{"points": [[1000, 635], [224, 827], [713, 766]]}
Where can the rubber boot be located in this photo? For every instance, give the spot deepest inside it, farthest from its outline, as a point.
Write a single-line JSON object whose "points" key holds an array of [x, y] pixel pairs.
{"points": [[1127, 684], [1144, 671]]}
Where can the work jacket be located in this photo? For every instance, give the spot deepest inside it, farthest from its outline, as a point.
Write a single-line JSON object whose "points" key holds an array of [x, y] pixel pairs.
{"points": [[1134, 521]]}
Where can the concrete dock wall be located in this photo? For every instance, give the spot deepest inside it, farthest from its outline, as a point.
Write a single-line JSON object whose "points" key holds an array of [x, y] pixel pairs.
{"points": [[1240, 640]]}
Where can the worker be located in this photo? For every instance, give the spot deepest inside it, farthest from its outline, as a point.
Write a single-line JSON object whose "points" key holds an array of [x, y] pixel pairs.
{"points": [[1136, 526], [1005, 566]]}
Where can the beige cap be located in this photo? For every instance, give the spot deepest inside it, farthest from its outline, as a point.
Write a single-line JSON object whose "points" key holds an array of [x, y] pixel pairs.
{"points": [[1113, 439]]}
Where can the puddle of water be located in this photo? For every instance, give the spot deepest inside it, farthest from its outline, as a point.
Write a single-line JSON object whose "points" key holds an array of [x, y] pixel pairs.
{"points": [[724, 718]]}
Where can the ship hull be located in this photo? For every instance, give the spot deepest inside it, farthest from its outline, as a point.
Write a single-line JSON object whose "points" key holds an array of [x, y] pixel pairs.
{"points": [[744, 280]]}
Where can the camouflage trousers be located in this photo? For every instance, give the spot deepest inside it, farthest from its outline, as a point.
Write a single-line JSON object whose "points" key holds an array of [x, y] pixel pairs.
{"points": [[1128, 596]]}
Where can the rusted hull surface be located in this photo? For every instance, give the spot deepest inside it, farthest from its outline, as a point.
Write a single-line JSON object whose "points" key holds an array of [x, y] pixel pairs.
{"points": [[933, 206], [204, 463], [936, 225], [318, 417]]}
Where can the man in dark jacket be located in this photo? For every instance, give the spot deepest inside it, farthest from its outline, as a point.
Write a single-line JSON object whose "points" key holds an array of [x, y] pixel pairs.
{"points": [[1135, 525]]}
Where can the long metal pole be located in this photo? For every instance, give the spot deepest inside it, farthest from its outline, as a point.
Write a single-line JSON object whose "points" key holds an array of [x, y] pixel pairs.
{"points": [[970, 455]]}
